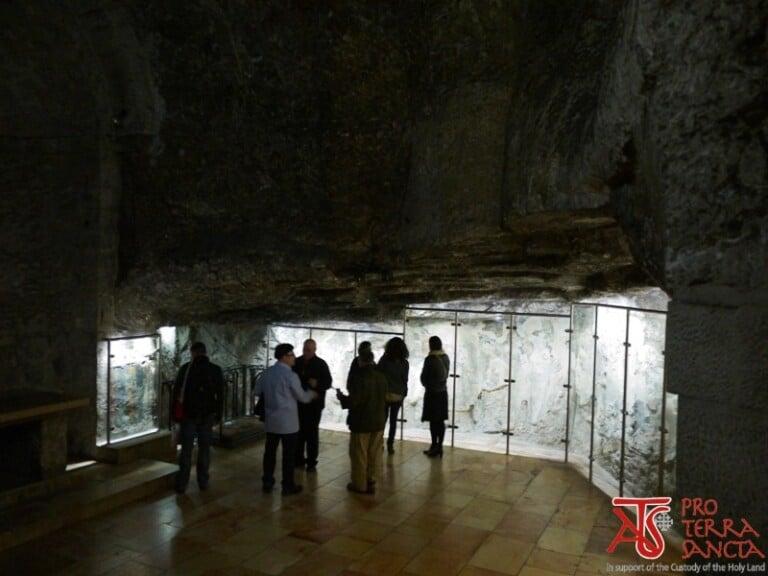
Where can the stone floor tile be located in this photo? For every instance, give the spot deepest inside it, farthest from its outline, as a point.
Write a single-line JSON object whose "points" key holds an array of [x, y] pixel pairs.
{"points": [[347, 546], [525, 526], [272, 561], [435, 562], [502, 554], [553, 561], [563, 540]]}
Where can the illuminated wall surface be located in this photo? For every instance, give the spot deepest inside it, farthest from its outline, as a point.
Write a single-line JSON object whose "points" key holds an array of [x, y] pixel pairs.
{"points": [[510, 392], [534, 406], [128, 381]]}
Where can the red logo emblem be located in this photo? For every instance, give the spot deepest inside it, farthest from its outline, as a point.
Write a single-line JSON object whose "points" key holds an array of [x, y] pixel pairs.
{"points": [[649, 542]]}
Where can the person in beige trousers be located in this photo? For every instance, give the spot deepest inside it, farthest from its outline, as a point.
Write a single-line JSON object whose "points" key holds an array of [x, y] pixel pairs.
{"points": [[366, 403]]}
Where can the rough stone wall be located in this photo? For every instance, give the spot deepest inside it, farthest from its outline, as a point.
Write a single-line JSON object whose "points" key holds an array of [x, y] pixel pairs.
{"points": [[50, 150], [685, 105], [365, 155], [59, 134]]}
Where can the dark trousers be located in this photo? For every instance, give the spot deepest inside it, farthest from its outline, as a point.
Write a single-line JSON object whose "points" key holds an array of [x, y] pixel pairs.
{"points": [[392, 410], [270, 458], [309, 434], [188, 431], [437, 430]]}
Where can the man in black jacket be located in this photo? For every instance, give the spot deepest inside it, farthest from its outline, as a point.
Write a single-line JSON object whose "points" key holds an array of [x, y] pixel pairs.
{"points": [[314, 375], [200, 389]]}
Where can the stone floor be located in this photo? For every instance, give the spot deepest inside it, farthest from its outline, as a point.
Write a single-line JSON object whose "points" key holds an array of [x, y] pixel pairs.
{"points": [[471, 513]]}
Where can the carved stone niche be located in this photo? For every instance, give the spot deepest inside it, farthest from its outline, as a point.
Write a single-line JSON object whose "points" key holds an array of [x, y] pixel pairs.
{"points": [[33, 436]]}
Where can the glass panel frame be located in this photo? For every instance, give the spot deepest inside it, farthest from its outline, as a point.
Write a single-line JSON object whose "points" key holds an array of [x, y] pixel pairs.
{"points": [[133, 388], [538, 399], [645, 389], [420, 325], [609, 393], [582, 370], [483, 386]]}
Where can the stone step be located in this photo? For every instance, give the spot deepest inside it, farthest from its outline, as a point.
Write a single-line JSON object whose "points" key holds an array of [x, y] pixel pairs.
{"points": [[104, 490], [156, 446], [238, 432]]}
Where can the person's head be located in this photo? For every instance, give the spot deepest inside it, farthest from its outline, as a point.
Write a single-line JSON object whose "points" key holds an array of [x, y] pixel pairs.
{"points": [[197, 350], [284, 353], [435, 344], [310, 348], [396, 349], [363, 346], [366, 358]]}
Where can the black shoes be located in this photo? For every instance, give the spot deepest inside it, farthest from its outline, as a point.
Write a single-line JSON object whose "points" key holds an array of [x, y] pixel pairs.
{"points": [[290, 490], [311, 467], [390, 448], [371, 489], [434, 451]]}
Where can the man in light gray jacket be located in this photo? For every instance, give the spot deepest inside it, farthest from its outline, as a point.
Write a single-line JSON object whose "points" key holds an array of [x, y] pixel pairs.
{"points": [[281, 389]]}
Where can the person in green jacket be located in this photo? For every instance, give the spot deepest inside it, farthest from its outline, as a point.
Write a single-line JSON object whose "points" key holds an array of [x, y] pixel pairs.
{"points": [[366, 403]]}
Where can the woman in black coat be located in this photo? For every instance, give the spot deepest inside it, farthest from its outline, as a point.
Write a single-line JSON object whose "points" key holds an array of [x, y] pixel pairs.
{"points": [[394, 365], [434, 378]]}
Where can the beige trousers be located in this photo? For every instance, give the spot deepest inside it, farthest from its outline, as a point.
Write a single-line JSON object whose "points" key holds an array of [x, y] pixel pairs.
{"points": [[364, 452]]}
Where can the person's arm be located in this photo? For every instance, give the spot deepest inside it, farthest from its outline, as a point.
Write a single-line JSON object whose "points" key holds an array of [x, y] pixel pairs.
{"points": [[325, 380], [301, 395], [356, 392], [406, 370], [352, 367], [425, 372]]}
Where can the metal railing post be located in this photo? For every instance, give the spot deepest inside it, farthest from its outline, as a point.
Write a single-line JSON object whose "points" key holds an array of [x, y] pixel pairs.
{"points": [[594, 384], [568, 387], [455, 375], [109, 392], [512, 328], [663, 429], [402, 419], [624, 408], [267, 355]]}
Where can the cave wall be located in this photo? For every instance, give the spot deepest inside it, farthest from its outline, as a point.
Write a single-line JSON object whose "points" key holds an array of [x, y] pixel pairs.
{"points": [[692, 195], [55, 165], [64, 103]]}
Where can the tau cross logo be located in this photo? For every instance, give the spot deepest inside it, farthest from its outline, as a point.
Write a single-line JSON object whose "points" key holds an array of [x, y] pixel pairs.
{"points": [[644, 532]]}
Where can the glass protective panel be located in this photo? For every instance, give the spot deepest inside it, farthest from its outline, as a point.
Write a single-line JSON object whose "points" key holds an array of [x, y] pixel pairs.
{"points": [[609, 391], [286, 335], [582, 361], [645, 372], [538, 396], [133, 375], [482, 390], [338, 350], [670, 446], [419, 328], [102, 367]]}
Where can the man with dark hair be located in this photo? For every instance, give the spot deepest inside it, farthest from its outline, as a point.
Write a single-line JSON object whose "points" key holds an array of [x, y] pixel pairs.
{"points": [[281, 390], [198, 394], [366, 403], [355, 365], [315, 375]]}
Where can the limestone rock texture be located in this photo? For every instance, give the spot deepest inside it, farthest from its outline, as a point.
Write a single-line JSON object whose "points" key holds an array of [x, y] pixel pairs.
{"points": [[215, 161]]}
